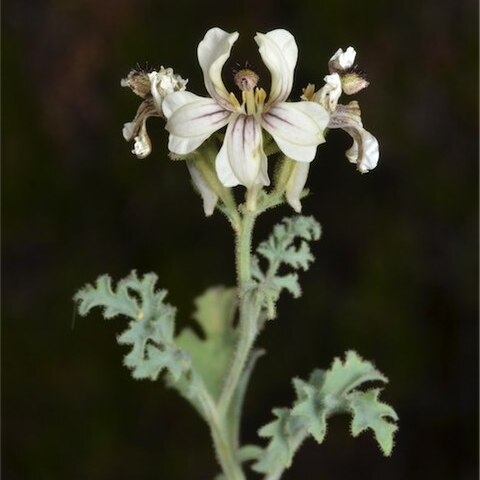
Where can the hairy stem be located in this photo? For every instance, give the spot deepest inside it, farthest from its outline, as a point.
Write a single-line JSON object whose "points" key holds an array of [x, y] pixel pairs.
{"points": [[224, 428], [248, 313], [221, 438]]}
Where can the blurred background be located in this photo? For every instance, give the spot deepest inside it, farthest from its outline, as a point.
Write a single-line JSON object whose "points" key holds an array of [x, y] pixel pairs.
{"points": [[396, 272]]}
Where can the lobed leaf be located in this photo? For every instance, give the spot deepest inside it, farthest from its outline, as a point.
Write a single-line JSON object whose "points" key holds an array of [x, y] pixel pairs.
{"points": [[151, 329], [282, 249], [324, 394]]}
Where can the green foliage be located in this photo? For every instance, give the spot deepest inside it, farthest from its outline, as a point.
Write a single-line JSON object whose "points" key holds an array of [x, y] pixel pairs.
{"points": [[324, 394], [287, 246], [151, 329], [212, 355]]}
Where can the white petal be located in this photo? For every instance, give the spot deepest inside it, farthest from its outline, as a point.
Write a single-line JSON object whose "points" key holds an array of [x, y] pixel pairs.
{"points": [[364, 151], [224, 170], [209, 197], [191, 120], [213, 51], [177, 100], [128, 131], [279, 52], [137, 129], [297, 128], [145, 110], [341, 60], [142, 146], [241, 159], [296, 183], [329, 94]]}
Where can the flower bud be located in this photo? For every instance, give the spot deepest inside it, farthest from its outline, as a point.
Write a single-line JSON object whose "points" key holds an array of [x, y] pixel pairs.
{"points": [[139, 82], [353, 82]]}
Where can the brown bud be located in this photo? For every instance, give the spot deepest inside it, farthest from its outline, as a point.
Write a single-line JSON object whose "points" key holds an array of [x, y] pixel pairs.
{"points": [[139, 83], [353, 82]]}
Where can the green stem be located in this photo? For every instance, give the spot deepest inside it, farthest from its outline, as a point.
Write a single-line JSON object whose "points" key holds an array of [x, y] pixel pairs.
{"points": [[248, 311], [221, 439]]}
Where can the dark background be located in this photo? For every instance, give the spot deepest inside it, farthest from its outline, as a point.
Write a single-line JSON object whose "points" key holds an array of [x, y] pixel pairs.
{"points": [[395, 275]]}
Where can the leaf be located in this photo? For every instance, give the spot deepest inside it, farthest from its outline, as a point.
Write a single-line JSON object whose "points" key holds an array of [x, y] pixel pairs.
{"points": [[281, 249], [369, 412], [248, 453], [150, 332], [323, 395], [280, 448], [345, 376], [211, 356]]}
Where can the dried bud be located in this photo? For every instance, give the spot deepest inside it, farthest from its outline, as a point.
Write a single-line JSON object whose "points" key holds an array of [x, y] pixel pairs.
{"points": [[353, 82], [138, 81]]}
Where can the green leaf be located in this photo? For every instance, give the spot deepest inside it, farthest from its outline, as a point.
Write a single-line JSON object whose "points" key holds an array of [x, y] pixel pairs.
{"points": [[211, 356], [323, 395], [280, 448], [369, 412], [287, 246], [151, 329], [248, 453], [342, 377]]}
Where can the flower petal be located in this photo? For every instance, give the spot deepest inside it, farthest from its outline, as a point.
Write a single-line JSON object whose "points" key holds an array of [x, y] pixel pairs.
{"points": [[142, 146], [342, 60], [241, 159], [329, 94], [209, 197], [137, 129], [295, 185], [213, 51], [297, 128], [364, 151], [191, 120], [279, 52], [145, 110]]}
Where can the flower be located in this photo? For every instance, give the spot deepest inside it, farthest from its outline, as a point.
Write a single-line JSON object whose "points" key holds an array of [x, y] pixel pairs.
{"points": [[297, 127], [153, 87], [347, 78]]}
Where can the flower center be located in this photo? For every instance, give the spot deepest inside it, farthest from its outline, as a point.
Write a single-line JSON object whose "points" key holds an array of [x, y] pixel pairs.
{"points": [[253, 98]]}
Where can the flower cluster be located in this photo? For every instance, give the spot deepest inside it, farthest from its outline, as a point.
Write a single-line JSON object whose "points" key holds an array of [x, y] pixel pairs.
{"points": [[251, 117], [347, 78]]}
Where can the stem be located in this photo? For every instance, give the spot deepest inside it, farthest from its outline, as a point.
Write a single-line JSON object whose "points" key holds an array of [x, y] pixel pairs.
{"points": [[225, 453], [248, 311], [223, 446]]}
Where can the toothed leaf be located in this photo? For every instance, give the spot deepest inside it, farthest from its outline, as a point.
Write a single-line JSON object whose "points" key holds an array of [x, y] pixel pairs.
{"points": [[151, 329], [327, 393], [369, 412], [287, 246]]}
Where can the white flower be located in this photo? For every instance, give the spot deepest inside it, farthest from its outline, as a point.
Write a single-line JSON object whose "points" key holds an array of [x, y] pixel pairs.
{"points": [[153, 87], [297, 127], [344, 76]]}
